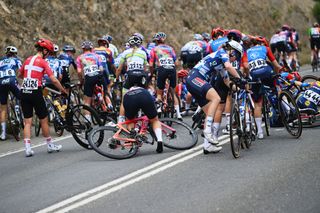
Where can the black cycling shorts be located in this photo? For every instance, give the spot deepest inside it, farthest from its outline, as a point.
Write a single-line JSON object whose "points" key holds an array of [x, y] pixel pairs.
{"points": [[90, 82], [6, 85], [135, 78], [65, 76], [315, 43], [33, 100], [221, 88], [190, 59], [198, 88], [163, 74], [284, 47], [137, 99]]}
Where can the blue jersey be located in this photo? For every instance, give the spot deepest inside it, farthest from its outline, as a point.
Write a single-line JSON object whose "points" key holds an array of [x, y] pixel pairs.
{"points": [[55, 65], [215, 44], [67, 61], [257, 57], [212, 64], [9, 66], [310, 98]]}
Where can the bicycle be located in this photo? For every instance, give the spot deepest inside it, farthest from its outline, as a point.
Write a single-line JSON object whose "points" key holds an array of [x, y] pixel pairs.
{"points": [[76, 119], [242, 120], [15, 116], [121, 143]]}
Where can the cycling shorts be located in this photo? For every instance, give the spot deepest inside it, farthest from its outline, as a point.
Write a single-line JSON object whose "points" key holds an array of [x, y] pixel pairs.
{"points": [[198, 88], [137, 99], [65, 75], [315, 43], [265, 75], [135, 78], [90, 82], [221, 88], [33, 100], [284, 47], [6, 85], [163, 74], [190, 59]]}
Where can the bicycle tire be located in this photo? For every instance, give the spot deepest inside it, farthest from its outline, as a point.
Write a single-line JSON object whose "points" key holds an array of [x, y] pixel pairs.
{"points": [[111, 148], [178, 130], [306, 78], [293, 120], [198, 122], [169, 110], [81, 126], [266, 114], [234, 129], [37, 126], [250, 136], [75, 98], [13, 122]]}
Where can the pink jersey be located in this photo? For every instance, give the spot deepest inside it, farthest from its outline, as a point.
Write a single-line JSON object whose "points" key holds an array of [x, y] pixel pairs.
{"points": [[162, 55], [33, 70], [89, 63]]}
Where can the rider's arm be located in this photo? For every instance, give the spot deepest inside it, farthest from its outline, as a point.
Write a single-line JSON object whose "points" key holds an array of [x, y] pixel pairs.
{"points": [[53, 79], [231, 69], [273, 60]]}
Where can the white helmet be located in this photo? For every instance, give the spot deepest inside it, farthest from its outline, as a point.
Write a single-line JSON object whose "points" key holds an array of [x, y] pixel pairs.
{"points": [[236, 46]]}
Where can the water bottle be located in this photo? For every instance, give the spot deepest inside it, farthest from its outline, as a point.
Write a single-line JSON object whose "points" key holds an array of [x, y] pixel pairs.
{"points": [[241, 108], [17, 109]]}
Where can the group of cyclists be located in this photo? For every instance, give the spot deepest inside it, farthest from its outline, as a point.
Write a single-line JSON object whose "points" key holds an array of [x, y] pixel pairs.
{"points": [[209, 61]]}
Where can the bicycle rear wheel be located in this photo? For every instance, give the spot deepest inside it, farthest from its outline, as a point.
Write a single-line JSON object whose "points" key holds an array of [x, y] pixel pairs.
{"points": [[309, 79], [37, 126], [177, 134], [235, 128], [81, 120], [198, 120], [250, 125], [13, 122], [113, 148], [290, 114]]}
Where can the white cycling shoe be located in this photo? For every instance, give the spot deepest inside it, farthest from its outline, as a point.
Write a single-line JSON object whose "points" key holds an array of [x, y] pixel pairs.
{"points": [[53, 148], [211, 139], [29, 152], [211, 149]]}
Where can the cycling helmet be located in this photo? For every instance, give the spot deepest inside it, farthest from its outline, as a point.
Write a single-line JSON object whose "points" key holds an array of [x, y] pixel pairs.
{"points": [[236, 46], [285, 27], [261, 40], [183, 73], [139, 35], [216, 32], [159, 36], [87, 45], [44, 43], [109, 37], [134, 40], [55, 48], [68, 48], [11, 49], [103, 39], [206, 36], [198, 37], [234, 35]]}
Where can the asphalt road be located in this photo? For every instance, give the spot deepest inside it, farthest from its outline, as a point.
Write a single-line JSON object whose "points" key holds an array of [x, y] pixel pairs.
{"points": [[278, 174]]}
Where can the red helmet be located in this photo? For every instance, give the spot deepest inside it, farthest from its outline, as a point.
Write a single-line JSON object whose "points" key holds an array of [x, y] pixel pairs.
{"points": [[262, 39], [216, 31], [183, 73], [45, 43], [297, 76]]}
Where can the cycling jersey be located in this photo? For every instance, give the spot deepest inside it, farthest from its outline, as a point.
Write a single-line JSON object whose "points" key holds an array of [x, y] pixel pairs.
{"points": [[314, 32], [89, 63], [106, 57], [55, 65], [114, 50], [215, 44], [310, 98], [9, 66], [163, 56], [66, 62], [192, 52]]}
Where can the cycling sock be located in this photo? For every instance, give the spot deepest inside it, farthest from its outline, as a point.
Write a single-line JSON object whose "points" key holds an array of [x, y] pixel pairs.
{"points": [[158, 133], [228, 118], [49, 140], [215, 129], [27, 143], [177, 108], [187, 106], [121, 119], [3, 127], [209, 121], [259, 124]]}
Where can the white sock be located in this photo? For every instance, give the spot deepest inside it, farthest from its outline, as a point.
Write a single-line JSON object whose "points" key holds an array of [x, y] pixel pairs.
{"points": [[158, 133], [206, 143], [215, 129], [228, 118], [3, 127], [27, 143], [177, 108], [187, 106], [121, 118], [208, 124], [49, 140], [259, 125]]}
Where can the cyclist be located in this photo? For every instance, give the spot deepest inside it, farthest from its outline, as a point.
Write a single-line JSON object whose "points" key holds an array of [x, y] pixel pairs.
{"points": [[284, 47], [32, 72], [206, 37], [217, 39], [182, 92], [193, 51], [217, 63], [314, 37], [90, 71], [310, 99], [55, 65], [274, 43], [112, 47], [163, 60], [255, 64], [107, 61], [295, 43], [141, 46], [9, 65], [67, 59], [135, 60]]}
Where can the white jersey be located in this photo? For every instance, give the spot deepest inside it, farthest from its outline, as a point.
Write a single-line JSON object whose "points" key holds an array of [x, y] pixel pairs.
{"points": [[114, 50], [136, 59]]}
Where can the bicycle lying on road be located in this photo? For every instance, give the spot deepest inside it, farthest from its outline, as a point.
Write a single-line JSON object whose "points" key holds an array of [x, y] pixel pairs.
{"points": [[122, 143]]}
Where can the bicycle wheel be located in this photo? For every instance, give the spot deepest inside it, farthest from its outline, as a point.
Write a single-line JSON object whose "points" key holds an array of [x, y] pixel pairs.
{"points": [[37, 126], [250, 124], [290, 114], [309, 79], [110, 147], [177, 134], [13, 122], [168, 111], [266, 114], [81, 124], [235, 128], [198, 120], [75, 98]]}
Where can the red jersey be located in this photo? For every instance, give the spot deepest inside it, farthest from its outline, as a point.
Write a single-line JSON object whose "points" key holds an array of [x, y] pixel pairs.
{"points": [[33, 70]]}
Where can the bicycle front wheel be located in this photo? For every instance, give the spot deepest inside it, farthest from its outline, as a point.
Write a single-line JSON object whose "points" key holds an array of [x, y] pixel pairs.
{"points": [[290, 114], [115, 148], [266, 114], [177, 134], [82, 119], [235, 128]]}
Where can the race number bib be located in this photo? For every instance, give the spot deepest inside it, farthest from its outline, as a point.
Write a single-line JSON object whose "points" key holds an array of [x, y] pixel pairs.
{"points": [[312, 96], [194, 48], [256, 64], [30, 84], [133, 65], [88, 70], [166, 62], [103, 58], [7, 73]]}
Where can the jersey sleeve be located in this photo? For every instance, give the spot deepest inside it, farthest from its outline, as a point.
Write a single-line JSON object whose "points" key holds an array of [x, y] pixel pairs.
{"points": [[47, 70], [270, 54]]}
